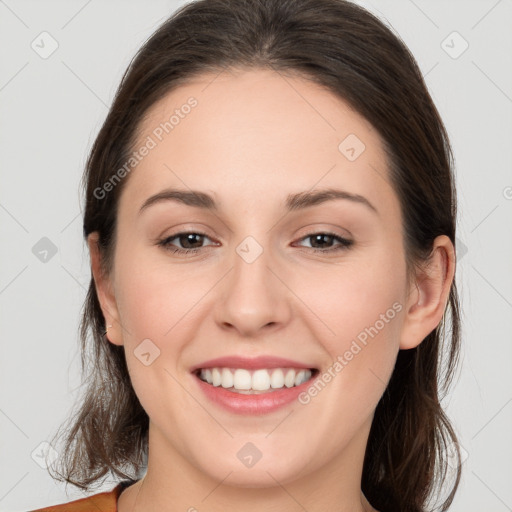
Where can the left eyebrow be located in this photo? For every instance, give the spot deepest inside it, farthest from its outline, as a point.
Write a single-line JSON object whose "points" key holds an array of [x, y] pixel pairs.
{"points": [[312, 198], [293, 202]]}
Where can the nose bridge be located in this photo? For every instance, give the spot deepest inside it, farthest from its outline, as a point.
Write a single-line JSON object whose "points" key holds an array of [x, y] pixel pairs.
{"points": [[250, 277], [253, 297]]}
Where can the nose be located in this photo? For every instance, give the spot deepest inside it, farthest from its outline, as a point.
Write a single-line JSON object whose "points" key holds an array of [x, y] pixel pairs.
{"points": [[253, 298]]}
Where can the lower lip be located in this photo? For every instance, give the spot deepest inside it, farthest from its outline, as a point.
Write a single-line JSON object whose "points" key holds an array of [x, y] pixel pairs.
{"points": [[262, 403]]}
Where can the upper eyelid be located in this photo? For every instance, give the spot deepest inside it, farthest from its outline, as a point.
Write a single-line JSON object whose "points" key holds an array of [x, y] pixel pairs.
{"points": [[303, 237], [308, 229]]}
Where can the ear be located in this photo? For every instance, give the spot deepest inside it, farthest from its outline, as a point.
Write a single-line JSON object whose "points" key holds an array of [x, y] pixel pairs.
{"points": [[429, 294], [104, 291]]}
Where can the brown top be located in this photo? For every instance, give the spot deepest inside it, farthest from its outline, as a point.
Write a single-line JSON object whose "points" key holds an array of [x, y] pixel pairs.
{"points": [[99, 502]]}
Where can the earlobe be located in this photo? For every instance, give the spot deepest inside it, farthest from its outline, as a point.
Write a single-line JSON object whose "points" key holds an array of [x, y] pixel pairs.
{"points": [[104, 292], [430, 294]]}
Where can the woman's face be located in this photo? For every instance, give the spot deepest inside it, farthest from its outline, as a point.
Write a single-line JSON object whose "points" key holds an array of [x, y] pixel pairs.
{"points": [[259, 283]]}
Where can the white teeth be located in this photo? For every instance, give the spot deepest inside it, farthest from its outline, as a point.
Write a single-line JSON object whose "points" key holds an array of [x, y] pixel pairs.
{"points": [[227, 378], [260, 380], [240, 379], [207, 375], [277, 379], [289, 379], [216, 377], [299, 378]]}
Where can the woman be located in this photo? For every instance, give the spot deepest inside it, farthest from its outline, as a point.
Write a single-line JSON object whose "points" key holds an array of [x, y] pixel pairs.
{"points": [[270, 212]]}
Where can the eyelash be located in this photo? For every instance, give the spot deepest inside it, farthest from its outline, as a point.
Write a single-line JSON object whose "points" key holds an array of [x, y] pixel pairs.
{"points": [[166, 242]]}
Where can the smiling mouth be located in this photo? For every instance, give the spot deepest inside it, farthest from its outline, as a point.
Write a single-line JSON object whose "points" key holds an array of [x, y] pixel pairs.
{"points": [[255, 381]]}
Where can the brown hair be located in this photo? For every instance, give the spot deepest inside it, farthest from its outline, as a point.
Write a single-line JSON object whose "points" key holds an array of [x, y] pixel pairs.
{"points": [[357, 57]]}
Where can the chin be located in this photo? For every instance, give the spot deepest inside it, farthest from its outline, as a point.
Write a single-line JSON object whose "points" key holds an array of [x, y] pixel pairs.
{"points": [[262, 474]]}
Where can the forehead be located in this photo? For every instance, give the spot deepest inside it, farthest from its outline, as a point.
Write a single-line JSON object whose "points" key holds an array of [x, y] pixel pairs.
{"points": [[258, 133]]}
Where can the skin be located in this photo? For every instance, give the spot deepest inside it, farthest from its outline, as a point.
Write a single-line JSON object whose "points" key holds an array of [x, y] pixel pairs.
{"points": [[255, 137]]}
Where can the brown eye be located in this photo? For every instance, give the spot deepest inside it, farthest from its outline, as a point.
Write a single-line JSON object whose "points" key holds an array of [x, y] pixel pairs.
{"points": [[323, 242], [190, 242]]}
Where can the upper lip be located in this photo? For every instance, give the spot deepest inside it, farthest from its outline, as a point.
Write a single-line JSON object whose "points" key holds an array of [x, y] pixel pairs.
{"points": [[263, 361]]}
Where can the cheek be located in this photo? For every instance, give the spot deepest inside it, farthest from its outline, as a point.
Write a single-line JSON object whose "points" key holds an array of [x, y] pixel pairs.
{"points": [[154, 298], [351, 297], [157, 311], [359, 314]]}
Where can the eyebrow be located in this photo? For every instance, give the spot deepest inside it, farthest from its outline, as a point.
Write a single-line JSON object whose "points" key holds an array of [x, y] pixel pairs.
{"points": [[293, 202]]}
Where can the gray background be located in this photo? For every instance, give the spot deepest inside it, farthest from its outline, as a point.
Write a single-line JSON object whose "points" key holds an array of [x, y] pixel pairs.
{"points": [[51, 110]]}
